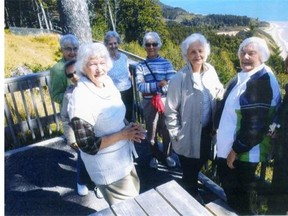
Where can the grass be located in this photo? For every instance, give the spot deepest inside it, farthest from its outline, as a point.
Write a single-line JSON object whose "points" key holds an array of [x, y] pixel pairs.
{"points": [[38, 53]]}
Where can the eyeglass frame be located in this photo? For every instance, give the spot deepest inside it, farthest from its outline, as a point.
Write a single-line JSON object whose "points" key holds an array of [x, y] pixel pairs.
{"points": [[70, 49], [153, 44]]}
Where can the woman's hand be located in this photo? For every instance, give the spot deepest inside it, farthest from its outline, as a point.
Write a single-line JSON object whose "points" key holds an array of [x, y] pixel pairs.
{"points": [[231, 158], [134, 132], [162, 83]]}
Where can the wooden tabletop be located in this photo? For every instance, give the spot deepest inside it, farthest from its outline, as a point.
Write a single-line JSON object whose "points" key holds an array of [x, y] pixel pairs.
{"points": [[168, 199]]}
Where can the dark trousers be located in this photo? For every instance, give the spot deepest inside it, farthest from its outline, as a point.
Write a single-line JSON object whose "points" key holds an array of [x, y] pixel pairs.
{"points": [[128, 100], [192, 166], [83, 177], [238, 184]]}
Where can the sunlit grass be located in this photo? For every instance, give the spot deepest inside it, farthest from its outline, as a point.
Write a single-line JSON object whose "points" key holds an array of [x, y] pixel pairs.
{"points": [[38, 53]]}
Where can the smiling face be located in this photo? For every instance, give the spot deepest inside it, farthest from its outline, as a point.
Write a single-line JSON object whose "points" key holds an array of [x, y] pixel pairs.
{"points": [[151, 48], [69, 52], [96, 70], [249, 58], [112, 46], [196, 55]]}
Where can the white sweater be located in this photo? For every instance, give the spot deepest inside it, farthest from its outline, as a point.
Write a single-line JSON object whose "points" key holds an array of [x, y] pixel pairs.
{"points": [[103, 108]]}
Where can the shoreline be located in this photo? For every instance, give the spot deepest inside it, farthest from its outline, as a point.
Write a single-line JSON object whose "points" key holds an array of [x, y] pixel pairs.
{"points": [[277, 30]]}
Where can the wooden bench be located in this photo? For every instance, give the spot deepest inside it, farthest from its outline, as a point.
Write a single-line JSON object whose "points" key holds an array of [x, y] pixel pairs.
{"points": [[168, 199]]}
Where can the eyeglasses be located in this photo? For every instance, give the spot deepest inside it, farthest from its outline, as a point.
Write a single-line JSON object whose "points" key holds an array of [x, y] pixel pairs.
{"points": [[70, 75], [70, 49], [149, 44], [111, 44]]}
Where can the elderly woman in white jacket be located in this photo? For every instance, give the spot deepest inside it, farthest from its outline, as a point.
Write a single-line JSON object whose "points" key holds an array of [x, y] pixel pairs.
{"points": [[189, 106], [97, 116]]}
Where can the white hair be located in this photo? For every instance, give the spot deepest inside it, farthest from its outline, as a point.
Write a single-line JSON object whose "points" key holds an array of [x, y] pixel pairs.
{"points": [[152, 36], [91, 50], [259, 44], [196, 37]]}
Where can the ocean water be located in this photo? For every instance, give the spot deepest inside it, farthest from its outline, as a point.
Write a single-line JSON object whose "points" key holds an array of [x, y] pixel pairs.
{"points": [[265, 10]]}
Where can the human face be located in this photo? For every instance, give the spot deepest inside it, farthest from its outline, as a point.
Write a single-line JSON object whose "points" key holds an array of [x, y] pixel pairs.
{"points": [[196, 55], [151, 48], [112, 45], [71, 73], [69, 52], [249, 58], [96, 70]]}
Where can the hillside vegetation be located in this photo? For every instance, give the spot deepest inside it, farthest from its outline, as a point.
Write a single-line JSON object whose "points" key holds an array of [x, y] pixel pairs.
{"points": [[37, 52]]}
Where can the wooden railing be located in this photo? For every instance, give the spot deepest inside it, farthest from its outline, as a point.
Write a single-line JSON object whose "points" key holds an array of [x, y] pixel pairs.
{"points": [[28, 109]]}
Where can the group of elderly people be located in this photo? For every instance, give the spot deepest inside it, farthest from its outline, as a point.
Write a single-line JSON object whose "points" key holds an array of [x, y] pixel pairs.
{"points": [[100, 111]]}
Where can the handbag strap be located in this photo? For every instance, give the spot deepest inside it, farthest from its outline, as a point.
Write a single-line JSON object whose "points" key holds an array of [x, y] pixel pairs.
{"points": [[150, 70]]}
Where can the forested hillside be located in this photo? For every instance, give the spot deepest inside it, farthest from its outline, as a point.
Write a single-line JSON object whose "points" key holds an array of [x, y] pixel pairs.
{"points": [[131, 18]]}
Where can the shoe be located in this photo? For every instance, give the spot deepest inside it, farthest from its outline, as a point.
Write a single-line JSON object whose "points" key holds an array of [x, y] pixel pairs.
{"points": [[170, 162], [154, 163], [82, 190], [98, 193]]}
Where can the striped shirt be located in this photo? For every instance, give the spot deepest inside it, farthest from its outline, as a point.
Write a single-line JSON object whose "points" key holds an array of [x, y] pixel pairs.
{"points": [[162, 70]]}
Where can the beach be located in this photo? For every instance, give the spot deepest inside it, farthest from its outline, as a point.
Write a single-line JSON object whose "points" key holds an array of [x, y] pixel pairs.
{"points": [[279, 32]]}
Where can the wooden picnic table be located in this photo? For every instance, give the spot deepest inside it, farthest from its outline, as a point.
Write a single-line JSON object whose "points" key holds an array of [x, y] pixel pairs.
{"points": [[168, 199]]}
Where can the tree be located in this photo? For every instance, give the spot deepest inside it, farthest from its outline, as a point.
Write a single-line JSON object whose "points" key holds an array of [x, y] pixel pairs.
{"points": [[135, 17], [74, 18]]}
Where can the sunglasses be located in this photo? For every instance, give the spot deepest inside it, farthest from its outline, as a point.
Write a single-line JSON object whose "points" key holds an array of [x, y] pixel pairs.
{"points": [[149, 44], [70, 75]]}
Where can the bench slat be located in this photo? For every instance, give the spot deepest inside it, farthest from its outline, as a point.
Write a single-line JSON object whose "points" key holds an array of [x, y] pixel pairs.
{"points": [[181, 200], [154, 204], [128, 208]]}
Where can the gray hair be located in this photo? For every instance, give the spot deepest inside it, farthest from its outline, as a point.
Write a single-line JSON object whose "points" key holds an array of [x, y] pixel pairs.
{"points": [[92, 50], [259, 44], [111, 34], [69, 39], [152, 36], [196, 37]]}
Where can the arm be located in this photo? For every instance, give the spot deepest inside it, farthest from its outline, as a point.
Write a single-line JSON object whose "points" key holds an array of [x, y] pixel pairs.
{"points": [[90, 144], [144, 80], [58, 82], [170, 72], [172, 106], [68, 130]]}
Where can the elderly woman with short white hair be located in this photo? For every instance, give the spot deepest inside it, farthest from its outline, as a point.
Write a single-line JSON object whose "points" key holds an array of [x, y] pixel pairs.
{"points": [[248, 106], [97, 116], [190, 105]]}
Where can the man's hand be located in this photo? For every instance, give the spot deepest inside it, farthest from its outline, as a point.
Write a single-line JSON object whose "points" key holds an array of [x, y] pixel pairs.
{"points": [[231, 158]]}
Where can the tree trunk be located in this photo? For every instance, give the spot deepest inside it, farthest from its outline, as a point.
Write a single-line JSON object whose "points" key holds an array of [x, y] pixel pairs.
{"points": [[74, 18]]}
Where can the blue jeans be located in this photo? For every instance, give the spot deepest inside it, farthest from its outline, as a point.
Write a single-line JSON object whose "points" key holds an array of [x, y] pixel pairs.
{"points": [[83, 177]]}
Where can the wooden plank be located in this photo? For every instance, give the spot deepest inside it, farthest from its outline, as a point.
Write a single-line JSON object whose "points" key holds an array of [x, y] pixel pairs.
{"points": [[181, 200], [154, 204], [220, 207], [104, 212], [128, 207]]}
